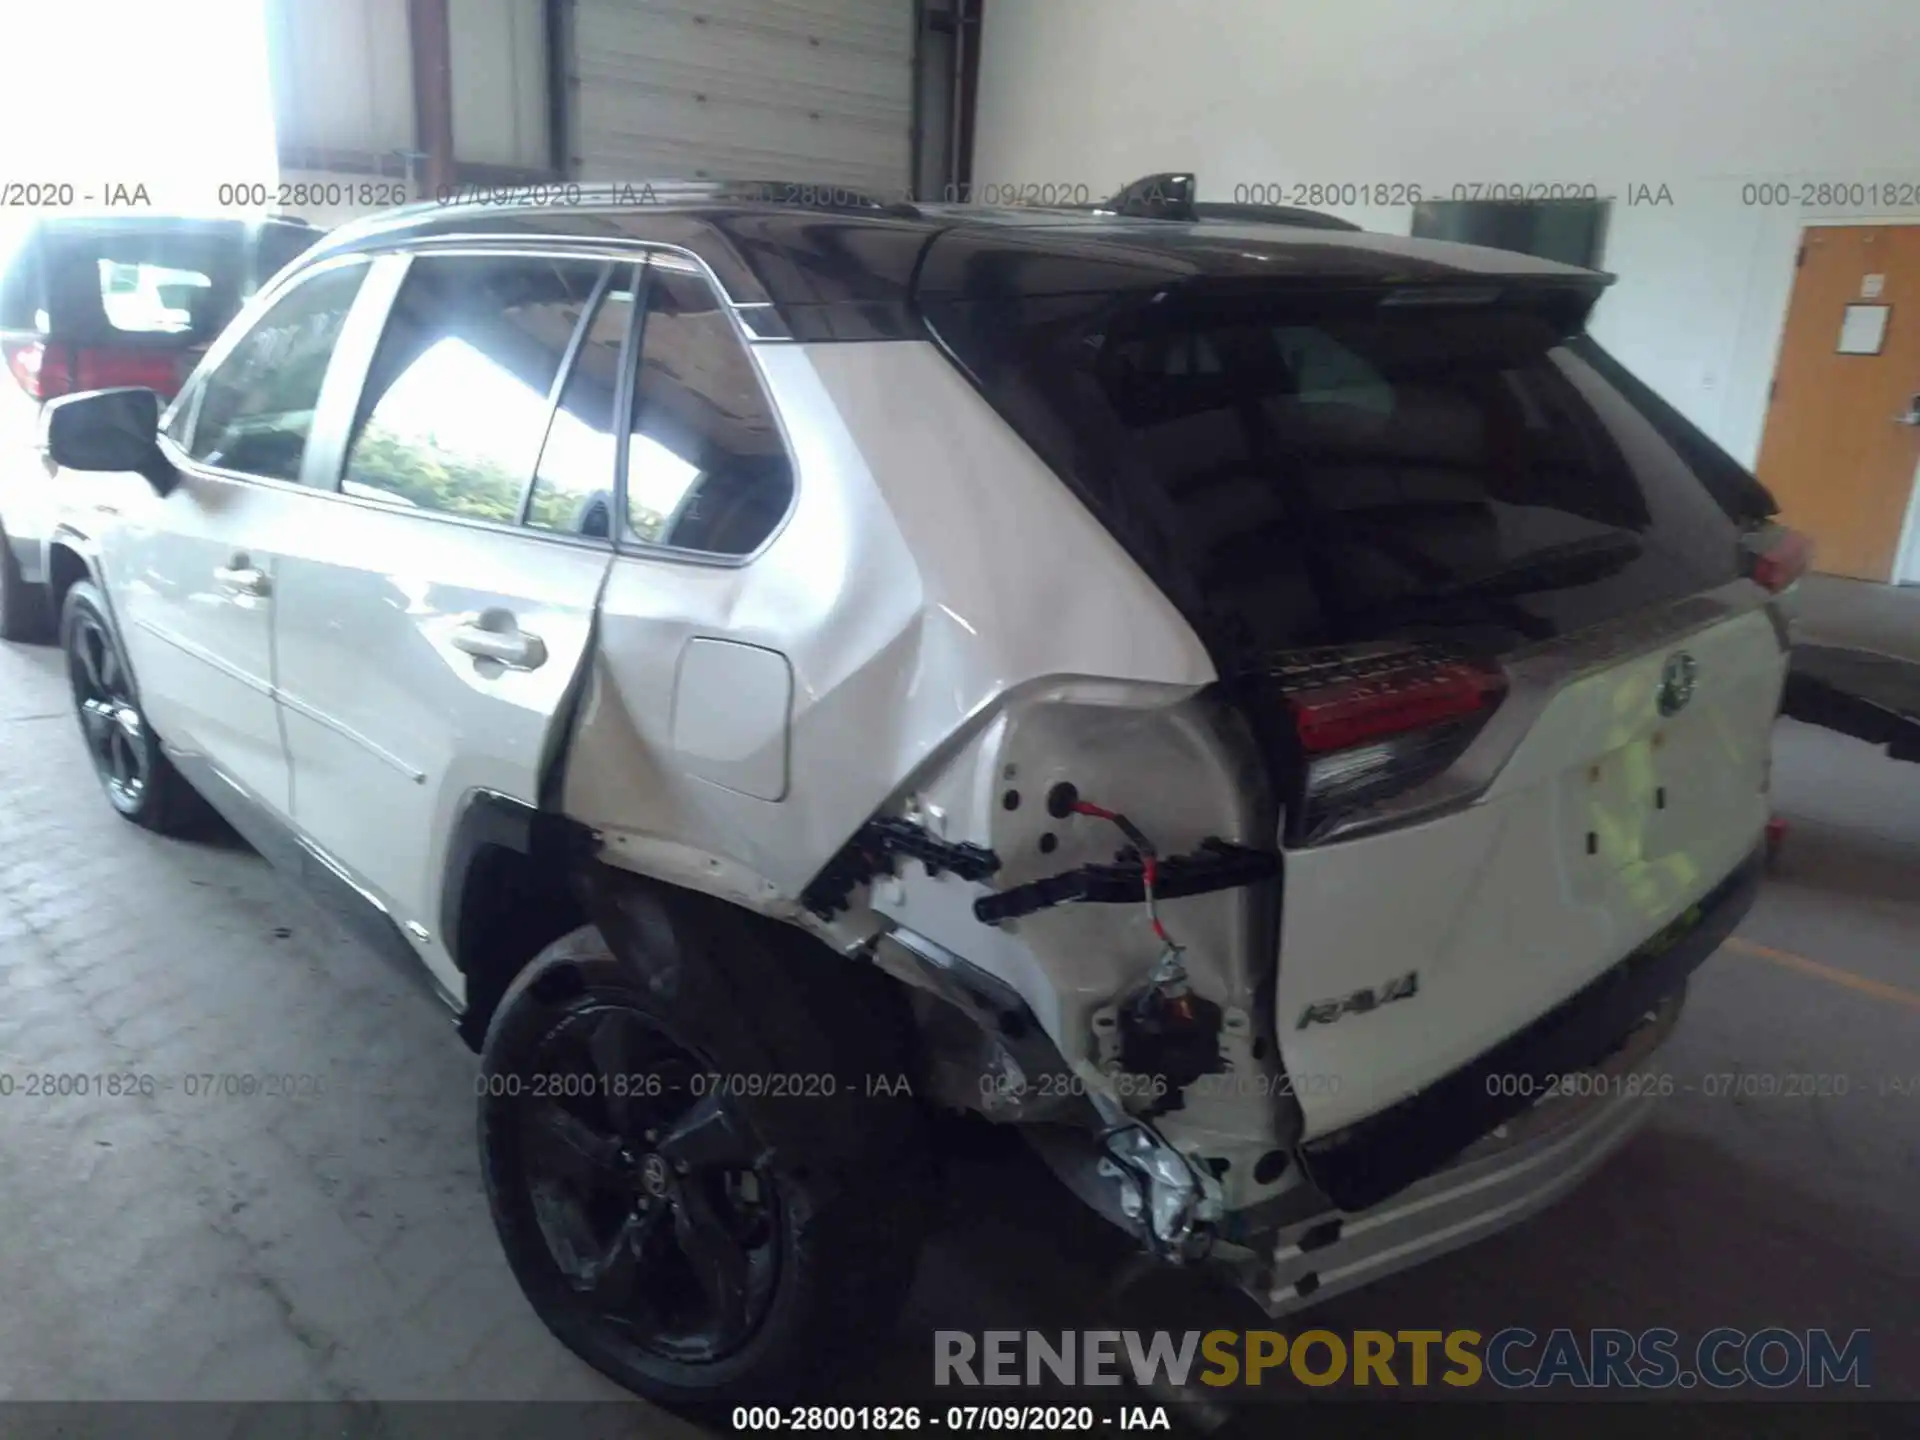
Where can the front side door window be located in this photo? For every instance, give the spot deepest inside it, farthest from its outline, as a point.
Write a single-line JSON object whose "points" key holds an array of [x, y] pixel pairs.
{"points": [[254, 412]]}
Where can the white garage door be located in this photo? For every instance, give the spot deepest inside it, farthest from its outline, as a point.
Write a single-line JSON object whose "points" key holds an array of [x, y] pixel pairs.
{"points": [[812, 90]]}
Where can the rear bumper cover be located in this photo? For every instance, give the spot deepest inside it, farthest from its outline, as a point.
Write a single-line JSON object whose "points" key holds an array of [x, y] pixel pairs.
{"points": [[1518, 1170], [1367, 1162]]}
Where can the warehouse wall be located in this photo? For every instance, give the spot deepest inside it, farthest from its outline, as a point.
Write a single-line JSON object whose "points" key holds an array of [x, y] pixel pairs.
{"points": [[1699, 96], [342, 80]]}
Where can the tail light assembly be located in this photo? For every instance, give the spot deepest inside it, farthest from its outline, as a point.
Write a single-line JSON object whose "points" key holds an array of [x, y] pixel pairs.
{"points": [[1777, 556], [1351, 728], [47, 369]]}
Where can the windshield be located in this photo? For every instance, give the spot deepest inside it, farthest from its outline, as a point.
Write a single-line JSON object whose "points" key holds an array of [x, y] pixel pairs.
{"points": [[1321, 472]]}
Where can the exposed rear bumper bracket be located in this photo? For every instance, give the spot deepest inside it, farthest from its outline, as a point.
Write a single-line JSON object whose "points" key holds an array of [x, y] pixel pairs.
{"points": [[1216, 865], [872, 852], [1368, 1161]]}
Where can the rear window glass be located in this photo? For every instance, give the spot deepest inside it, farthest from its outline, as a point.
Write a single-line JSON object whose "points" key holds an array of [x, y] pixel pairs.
{"points": [[180, 282], [1304, 474]]}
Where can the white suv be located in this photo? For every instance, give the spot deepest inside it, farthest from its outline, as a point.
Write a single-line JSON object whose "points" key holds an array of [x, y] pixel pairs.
{"points": [[1273, 712]]}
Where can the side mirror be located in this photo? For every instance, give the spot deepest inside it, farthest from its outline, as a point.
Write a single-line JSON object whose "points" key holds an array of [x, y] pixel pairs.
{"points": [[108, 430]]}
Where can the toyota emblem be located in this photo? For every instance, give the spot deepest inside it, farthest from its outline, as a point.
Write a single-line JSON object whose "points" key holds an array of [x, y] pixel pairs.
{"points": [[1676, 683]]}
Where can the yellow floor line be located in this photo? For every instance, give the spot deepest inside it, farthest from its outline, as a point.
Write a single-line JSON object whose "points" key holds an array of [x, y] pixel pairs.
{"points": [[1880, 990]]}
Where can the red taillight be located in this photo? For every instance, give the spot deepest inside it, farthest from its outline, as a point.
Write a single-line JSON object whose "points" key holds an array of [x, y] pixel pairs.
{"points": [[1390, 698], [24, 359], [46, 370], [1780, 557], [1369, 724]]}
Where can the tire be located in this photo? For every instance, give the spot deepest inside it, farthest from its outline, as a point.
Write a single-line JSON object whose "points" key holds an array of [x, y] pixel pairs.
{"points": [[139, 781], [23, 606], [841, 1190]]}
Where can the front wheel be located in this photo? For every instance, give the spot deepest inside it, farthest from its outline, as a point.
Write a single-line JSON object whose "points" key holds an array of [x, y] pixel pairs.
{"points": [[139, 781], [696, 1186]]}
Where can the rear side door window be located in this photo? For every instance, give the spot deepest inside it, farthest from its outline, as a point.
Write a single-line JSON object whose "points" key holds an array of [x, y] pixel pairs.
{"points": [[574, 483], [706, 469], [457, 399], [254, 410]]}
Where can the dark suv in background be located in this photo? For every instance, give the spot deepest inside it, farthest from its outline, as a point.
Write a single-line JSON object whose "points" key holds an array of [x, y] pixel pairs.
{"points": [[89, 303]]}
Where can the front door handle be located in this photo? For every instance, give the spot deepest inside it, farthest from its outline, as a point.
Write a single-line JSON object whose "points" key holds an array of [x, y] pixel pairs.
{"points": [[240, 578], [493, 635]]}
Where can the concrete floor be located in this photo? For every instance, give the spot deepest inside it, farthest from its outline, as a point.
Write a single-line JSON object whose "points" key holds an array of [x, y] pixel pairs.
{"points": [[338, 1246]]}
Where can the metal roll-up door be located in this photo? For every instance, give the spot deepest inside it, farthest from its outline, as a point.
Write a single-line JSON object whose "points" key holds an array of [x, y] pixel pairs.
{"points": [[814, 90]]}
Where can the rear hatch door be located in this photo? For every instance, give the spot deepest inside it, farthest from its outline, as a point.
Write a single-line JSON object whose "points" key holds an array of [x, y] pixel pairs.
{"points": [[1424, 465]]}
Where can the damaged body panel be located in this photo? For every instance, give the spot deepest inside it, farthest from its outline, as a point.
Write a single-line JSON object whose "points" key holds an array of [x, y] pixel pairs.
{"points": [[1398, 798], [926, 699]]}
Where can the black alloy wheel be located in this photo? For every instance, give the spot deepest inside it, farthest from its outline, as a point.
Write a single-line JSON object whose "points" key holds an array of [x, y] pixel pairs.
{"points": [[697, 1187], [110, 720], [648, 1187], [139, 780]]}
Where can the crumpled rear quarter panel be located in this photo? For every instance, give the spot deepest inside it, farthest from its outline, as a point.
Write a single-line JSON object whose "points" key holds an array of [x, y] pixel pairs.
{"points": [[930, 565]]}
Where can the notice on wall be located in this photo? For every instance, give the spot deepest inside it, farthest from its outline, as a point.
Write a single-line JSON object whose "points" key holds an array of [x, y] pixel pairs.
{"points": [[1864, 330], [1871, 286]]}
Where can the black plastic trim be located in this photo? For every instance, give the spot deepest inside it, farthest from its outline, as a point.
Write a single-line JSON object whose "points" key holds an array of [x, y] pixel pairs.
{"points": [[1216, 865], [1372, 1159], [873, 851], [495, 820]]}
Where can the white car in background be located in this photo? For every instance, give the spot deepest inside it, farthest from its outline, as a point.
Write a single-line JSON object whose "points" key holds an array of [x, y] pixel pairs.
{"points": [[1258, 707]]}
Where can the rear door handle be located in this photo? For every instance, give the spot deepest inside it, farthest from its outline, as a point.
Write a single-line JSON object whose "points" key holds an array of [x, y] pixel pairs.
{"points": [[494, 636], [241, 578]]}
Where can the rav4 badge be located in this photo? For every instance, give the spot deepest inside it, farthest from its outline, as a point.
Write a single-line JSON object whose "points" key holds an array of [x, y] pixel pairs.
{"points": [[1325, 1012]]}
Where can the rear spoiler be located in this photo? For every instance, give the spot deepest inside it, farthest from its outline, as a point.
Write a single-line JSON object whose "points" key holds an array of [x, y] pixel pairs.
{"points": [[1169, 196]]}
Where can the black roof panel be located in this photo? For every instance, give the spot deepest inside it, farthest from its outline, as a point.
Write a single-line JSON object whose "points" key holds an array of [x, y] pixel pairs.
{"points": [[871, 262]]}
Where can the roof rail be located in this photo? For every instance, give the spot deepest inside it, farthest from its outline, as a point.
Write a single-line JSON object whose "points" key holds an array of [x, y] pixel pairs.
{"points": [[534, 196], [1169, 195], [667, 191]]}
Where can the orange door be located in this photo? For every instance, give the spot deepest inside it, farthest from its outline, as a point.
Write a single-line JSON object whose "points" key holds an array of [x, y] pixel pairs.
{"points": [[1842, 440]]}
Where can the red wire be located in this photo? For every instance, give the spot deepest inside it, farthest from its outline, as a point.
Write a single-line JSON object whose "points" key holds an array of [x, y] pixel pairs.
{"points": [[1149, 863]]}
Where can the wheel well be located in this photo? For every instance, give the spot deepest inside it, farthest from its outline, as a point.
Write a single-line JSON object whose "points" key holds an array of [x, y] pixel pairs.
{"points": [[64, 566], [512, 904]]}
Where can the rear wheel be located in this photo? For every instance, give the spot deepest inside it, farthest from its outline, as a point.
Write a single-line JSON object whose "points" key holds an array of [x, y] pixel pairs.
{"points": [[23, 606], [701, 1217], [139, 781]]}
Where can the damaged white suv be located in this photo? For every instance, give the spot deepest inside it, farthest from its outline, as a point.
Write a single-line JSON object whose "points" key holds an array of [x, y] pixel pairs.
{"points": [[1257, 706]]}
